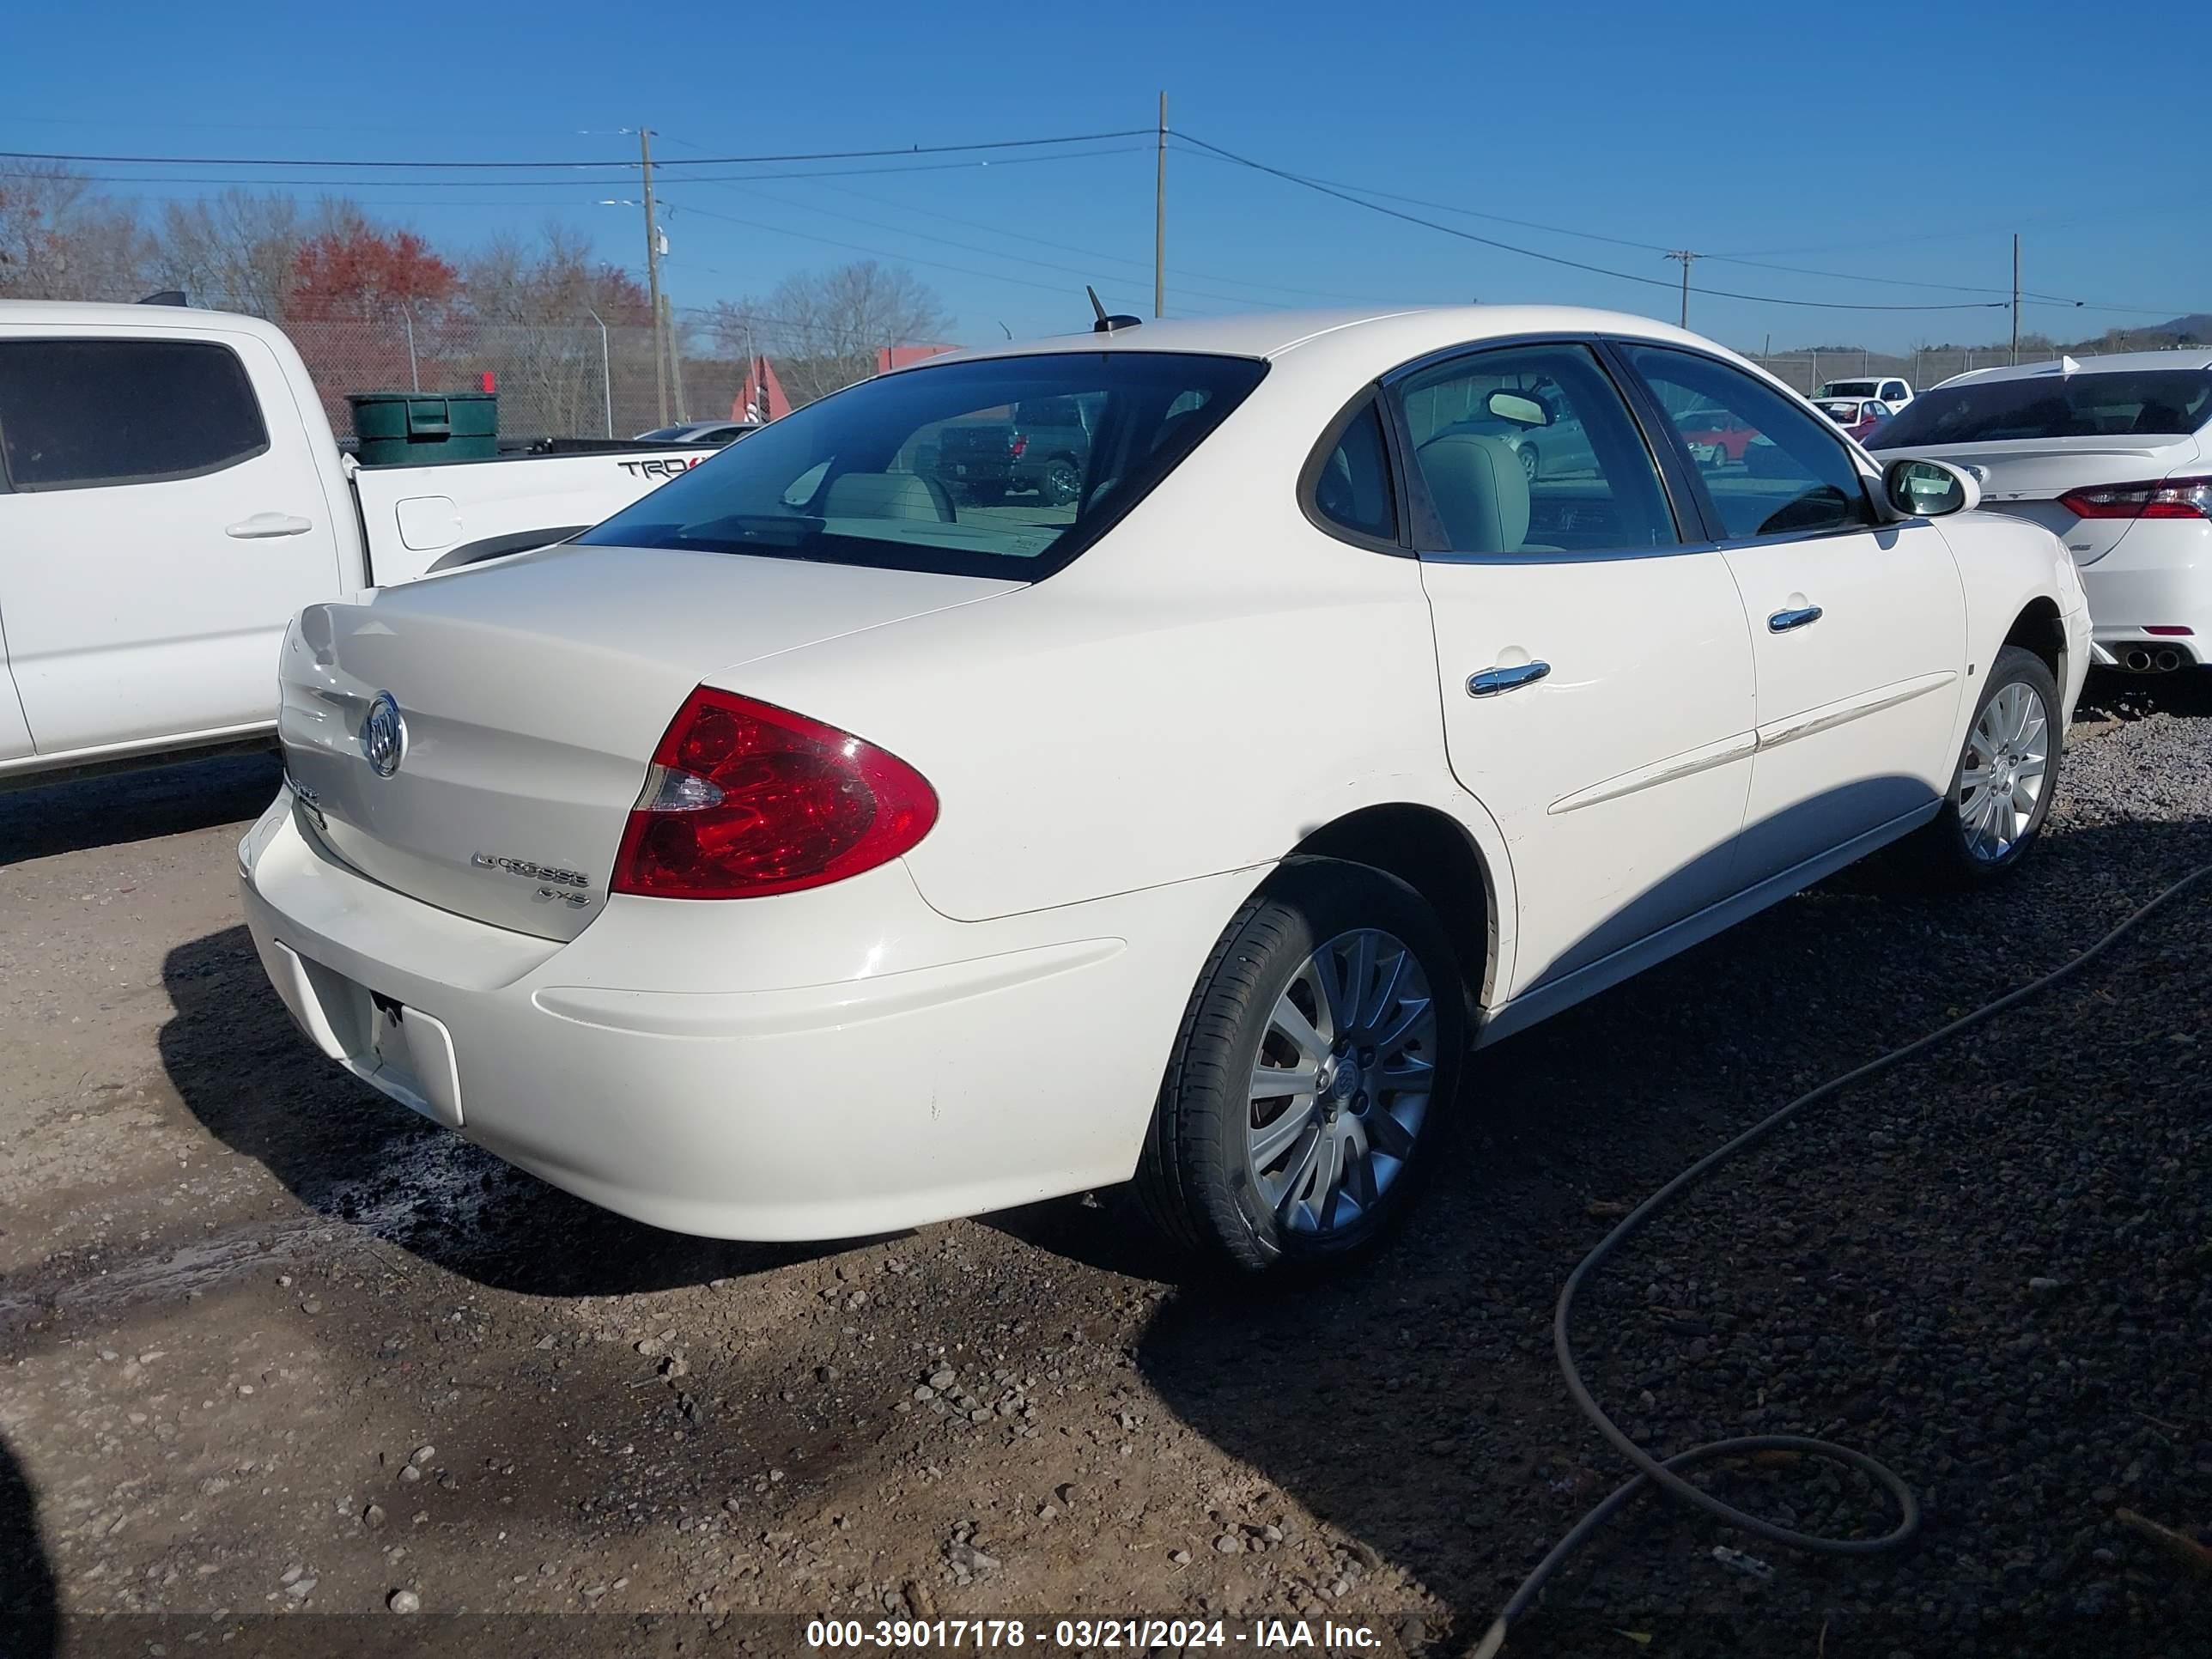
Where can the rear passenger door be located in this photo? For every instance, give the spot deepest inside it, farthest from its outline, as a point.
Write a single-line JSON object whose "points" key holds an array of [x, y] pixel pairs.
{"points": [[1859, 625], [1596, 675], [156, 533]]}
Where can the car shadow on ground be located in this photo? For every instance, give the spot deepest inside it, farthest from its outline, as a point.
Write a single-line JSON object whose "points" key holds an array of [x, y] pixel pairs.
{"points": [[2187, 693], [347, 1153], [144, 804], [1410, 1400], [30, 1611]]}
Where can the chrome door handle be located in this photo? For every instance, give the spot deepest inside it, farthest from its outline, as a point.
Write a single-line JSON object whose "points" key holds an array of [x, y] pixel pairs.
{"points": [[1492, 681], [1783, 621], [263, 526]]}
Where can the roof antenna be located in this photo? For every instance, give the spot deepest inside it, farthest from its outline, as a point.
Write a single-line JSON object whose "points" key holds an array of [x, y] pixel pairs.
{"points": [[1106, 324]]}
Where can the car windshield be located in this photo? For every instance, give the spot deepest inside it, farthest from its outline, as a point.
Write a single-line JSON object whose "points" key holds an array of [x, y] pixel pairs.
{"points": [[1843, 414], [927, 469], [663, 435], [2166, 403]]}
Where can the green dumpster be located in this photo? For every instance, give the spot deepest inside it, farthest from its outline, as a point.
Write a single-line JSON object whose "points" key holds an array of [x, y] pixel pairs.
{"points": [[414, 427]]}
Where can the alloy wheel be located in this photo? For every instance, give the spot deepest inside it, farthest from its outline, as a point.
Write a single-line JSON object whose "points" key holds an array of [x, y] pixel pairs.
{"points": [[2007, 768], [1341, 1085]]}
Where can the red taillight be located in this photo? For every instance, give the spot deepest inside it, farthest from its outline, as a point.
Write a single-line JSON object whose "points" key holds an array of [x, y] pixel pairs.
{"points": [[2168, 630], [744, 799], [1017, 443], [2169, 498]]}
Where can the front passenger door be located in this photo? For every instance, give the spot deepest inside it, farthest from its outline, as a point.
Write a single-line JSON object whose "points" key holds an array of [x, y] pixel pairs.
{"points": [[1859, 626], [1595, 673]]}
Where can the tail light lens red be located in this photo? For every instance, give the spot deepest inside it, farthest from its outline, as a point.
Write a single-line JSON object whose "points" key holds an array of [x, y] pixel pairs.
{"points": [[744, 799], [2166, 498], [1018, 444]]}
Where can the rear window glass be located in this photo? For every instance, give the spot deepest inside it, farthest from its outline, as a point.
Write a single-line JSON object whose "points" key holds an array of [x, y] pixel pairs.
{"points": [[934, 469], [1848, 389], [76, 414], [2137, 403]]}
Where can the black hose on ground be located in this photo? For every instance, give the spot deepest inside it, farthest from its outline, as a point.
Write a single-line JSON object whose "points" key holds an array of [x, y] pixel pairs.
{"points": [[1665, 1474]]}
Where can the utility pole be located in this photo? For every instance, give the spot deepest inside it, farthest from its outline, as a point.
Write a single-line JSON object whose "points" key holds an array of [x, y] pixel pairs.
{"points": [[653, 270], [1684, 255], [675, 360], [1160, 221], [2015, 297]]}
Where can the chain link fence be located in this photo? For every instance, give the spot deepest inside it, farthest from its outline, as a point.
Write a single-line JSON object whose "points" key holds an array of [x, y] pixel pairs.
{"points": [[554, 379], [1805, 370], [566, 379]]}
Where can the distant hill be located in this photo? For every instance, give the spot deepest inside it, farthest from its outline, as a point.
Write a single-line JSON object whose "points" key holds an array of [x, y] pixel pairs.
{"points": [[2197, 325]]}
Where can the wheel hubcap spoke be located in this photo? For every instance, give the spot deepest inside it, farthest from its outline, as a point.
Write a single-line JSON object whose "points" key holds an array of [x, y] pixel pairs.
{"points": [[2003, 772], [1340, 1087]]}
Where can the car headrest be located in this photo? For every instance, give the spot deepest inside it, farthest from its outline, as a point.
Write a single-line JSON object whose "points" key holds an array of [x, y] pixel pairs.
{"points": [[888, 495], [1479, 491]]}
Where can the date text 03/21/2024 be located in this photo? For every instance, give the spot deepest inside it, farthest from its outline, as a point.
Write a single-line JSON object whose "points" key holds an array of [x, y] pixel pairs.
{"points": [[1176, 1634]]}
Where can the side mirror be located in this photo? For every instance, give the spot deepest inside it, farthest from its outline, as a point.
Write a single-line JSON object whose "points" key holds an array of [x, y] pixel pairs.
{"points": [[1928, 489]]}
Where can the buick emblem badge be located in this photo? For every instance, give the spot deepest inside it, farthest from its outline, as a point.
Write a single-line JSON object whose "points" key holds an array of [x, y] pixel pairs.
{"points": [[384, 735]]}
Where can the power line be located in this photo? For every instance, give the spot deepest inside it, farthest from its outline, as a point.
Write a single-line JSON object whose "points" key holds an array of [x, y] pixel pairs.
{"points": [[621, 177], [1061, 289], [1215, 152], [1561, 260], [1110, 258], [948, 241], [1011, 235], [706, 160]]}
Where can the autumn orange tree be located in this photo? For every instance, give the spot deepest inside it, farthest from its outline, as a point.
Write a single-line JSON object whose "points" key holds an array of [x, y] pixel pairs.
{"points": [[356, 271]]}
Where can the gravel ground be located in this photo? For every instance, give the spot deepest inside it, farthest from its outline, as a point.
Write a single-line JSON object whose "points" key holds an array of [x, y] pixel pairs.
{"points": [[271, 1351]]}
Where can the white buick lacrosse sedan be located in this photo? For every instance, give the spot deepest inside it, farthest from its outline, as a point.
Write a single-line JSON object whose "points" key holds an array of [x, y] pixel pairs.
{"points": [[825, 845]]}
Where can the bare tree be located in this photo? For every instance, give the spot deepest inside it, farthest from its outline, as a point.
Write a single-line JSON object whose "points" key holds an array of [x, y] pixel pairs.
{"points": [[61, 240], [535, 308], [825, 328], [239, 251]]}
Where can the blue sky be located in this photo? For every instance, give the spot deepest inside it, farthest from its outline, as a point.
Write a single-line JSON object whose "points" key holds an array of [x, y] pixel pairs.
{"points": [[1898, 143]]}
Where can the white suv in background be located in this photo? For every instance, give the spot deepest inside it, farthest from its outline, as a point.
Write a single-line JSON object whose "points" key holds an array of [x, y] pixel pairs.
{"points": [[1887, 389], [2113, 455]]}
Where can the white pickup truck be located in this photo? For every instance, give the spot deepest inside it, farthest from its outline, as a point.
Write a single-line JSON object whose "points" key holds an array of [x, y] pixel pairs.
{"points": [[171, 495]]}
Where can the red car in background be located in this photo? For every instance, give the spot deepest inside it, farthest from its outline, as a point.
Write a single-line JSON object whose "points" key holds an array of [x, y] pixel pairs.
{"points": [[1857, 415], [1715, 437]]}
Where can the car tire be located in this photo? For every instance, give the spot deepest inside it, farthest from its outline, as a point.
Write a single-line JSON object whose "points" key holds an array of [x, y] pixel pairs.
{"points": [[1532, 463], [1254, 1195], [2019, 731], [1063, 483]]}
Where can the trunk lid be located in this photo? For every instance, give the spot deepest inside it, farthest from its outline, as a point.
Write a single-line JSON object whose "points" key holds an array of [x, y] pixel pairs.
{"points": [[2025, 478], [532, 692]]}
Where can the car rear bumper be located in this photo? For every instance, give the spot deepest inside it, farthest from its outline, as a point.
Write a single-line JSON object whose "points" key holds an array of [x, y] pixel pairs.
{"points": [[2160, 576], [823, 1064]]}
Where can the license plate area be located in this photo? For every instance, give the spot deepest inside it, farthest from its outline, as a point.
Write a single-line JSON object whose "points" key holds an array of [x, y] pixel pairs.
{"points": [[401, 1051]]}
